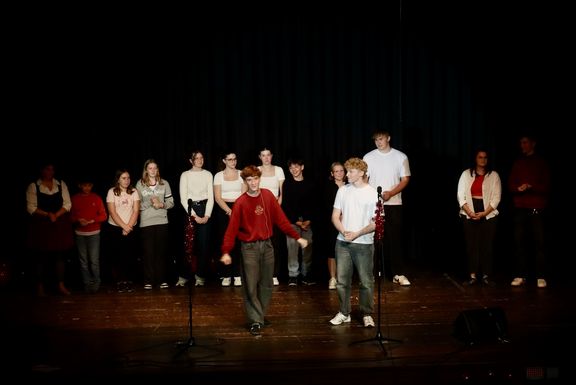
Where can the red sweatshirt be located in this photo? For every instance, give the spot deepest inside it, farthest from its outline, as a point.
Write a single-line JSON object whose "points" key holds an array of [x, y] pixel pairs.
{"points": [[88, 206], [253, 219], [533, 170]]}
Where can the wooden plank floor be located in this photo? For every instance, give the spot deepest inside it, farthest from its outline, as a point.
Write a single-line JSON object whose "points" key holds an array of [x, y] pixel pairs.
{"points": [[109, 334]]}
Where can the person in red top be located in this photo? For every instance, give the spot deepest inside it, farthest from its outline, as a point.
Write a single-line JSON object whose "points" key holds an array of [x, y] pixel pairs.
{"points": [[252, 221], [529, 183], [87, 213]]}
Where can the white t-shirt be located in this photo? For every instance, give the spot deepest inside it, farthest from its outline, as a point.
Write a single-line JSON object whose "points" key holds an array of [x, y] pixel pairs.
{"points": [[358, 208], [272, 183], [231, 189], [385, 169]]}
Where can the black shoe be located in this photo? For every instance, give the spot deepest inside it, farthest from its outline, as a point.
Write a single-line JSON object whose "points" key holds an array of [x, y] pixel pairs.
{"points": [[308, 281], [471, 282], [255, 329], [487, 282], [292, 281]]}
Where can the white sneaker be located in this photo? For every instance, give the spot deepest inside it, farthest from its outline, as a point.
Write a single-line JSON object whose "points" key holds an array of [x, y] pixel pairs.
{"points": [[200, 281], [237, 281], [541, 283], [517, 281], [276, 282], [226, 281], [340, 319], [401, 280], [368, 321], [181, 282], [147, 287], [164, 285], [332, 283]]}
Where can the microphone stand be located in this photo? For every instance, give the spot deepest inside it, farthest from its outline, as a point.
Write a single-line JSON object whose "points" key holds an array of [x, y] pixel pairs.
{"points": [[189, 253], [378, 236]]}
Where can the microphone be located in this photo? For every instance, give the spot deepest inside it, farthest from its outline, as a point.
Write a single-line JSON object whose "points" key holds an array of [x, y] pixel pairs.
{"points": [[189, 207], [379, 191]]}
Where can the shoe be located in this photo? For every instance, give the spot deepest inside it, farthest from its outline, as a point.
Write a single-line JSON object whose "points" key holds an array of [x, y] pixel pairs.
{"points": [[129, 286], [255, 329], [200, 281], [518, 281], [401, 280], [487, 282], [308, 281], [541, 283], [340, 319], [471, 282], [237, 281], [181, 282], [164, 285], [292, 281], [226, 281], [275, 281], [147, 287], [332, 284], [368, 321], [62, 289]]}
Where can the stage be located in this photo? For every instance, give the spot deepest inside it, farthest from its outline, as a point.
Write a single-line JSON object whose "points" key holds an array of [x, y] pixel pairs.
{"points": [[110, 334]]}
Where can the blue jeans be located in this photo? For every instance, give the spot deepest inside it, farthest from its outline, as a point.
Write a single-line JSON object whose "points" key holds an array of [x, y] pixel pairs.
{"points": [[361, 256], [257, 273], [293, 248], [89, 255]]}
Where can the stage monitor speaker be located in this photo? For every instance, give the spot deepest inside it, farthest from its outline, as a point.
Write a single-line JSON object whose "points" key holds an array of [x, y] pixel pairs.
{"points": [[481, 325]]}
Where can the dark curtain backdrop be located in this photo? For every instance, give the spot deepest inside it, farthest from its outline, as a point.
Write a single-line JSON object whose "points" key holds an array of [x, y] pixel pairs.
{"points": [[98, 94]]}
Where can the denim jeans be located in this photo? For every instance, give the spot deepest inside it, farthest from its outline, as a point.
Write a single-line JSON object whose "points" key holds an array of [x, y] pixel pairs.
{"points": [[88, 247], [257, 273], [293, 249], [361, 256]]}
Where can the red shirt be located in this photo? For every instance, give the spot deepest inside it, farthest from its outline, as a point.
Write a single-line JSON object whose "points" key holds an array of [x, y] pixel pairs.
{"points": [[253, 219]]}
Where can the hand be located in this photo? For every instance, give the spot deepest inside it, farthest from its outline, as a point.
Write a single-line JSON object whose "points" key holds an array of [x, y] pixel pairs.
{"points": [[156, 202], [302, 242], [226, 259]]}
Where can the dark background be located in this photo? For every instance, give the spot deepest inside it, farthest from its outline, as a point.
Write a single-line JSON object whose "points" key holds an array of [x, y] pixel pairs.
{"points": [[98, 89]]}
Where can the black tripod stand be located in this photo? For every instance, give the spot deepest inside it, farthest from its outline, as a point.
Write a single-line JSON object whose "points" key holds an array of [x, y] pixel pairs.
{"points": [[379, 257]]}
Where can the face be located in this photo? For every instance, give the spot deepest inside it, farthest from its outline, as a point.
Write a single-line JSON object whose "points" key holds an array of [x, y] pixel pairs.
{"points": [[152, 170], [382, 142], [354, 175], [230, 160], [86, 187], [296, 170], [48, 172], [338, 173], [253, 183], [481, 159], [124, 180], [198, 160], [527, 146], [266, 157]]}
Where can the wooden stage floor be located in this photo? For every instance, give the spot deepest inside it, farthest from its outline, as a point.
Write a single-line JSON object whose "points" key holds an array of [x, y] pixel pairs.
{"points": [[109, 334]]}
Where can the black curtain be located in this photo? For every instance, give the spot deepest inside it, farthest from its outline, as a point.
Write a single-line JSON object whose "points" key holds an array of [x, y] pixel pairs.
{"points": [[443, 77]]}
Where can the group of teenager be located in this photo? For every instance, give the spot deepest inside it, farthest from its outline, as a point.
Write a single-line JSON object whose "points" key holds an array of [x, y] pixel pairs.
{"points": [[256, 204]]}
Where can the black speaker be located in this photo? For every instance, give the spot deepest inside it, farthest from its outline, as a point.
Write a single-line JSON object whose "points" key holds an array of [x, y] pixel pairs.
{"points": [[481, 325]]}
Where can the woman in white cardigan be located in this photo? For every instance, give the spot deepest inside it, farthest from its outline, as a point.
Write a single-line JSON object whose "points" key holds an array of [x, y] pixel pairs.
{"points": [[479, 193]]}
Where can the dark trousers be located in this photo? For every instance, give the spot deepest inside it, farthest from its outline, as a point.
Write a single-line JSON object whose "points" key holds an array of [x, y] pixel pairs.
{"points": [[479, 236], [529, 236], [154, 253], [393, 240]]}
